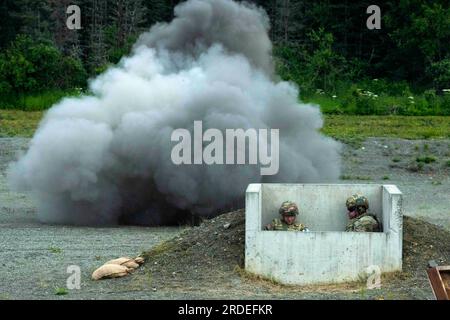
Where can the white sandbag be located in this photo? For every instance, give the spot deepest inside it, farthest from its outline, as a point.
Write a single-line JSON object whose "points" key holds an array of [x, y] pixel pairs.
{"points": [[110, 271]]}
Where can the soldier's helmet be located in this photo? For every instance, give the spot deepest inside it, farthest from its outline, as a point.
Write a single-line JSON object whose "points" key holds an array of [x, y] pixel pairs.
{"points": [[288, 208], [357, 202]]}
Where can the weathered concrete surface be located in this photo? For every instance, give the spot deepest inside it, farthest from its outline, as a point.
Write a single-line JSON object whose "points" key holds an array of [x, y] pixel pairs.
{"points": [[327, 254]]}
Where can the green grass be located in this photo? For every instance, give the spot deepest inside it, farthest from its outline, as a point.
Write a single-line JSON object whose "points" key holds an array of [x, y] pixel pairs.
{"points": [[55, 250], [39, 101], [353, 101], [349, 177], [61, 291], [19, 123], [426, 159], [349, 129]]}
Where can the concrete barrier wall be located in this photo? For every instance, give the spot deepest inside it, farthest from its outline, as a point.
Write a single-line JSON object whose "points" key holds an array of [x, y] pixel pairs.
{"points": [[327, 254]]}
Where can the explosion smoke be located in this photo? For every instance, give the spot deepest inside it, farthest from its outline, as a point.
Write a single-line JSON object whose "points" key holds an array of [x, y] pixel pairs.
{"points": [[105, 158]]}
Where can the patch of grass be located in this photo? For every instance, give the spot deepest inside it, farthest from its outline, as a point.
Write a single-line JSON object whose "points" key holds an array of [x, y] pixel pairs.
{"points": [[256, 277], [160, 248], [349, 177], [420, 166], [447, 163], [352, 130], [428, 134], [426, 159], [44, 100], [39, 101], [347, 128], [386, 178], [363, 178], [61, 291], [359, 99], [16, 123], [55, 250], [275, 286], [396, 160]]}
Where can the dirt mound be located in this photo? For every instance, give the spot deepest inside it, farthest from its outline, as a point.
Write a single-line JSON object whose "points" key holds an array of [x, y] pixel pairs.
{"points": [[211, 250], [423, 241], [211, 254]]}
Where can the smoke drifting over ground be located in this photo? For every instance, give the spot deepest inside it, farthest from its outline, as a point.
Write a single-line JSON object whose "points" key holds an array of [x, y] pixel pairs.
{"points": [[105, 158]]}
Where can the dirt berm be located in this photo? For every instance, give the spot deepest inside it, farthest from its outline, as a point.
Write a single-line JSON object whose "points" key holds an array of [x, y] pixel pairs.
{"points": [[209, 259]]}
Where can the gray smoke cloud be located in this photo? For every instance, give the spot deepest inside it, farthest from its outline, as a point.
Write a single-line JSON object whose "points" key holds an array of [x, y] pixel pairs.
{"points": [[105, 158]]}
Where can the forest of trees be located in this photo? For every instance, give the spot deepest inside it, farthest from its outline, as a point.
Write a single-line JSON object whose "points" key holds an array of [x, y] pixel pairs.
{"points": [[323, 45]]}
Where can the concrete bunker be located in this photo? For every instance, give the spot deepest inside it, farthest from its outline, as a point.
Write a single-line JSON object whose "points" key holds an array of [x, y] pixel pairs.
{"points": [[326, 254]]}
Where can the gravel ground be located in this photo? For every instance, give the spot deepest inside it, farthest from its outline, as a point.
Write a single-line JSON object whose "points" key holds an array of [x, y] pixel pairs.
{"points": [[34, 257], [426, 193]]}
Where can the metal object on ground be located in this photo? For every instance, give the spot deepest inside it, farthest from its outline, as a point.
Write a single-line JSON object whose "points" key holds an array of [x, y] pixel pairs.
{"points": [[439, 277]]}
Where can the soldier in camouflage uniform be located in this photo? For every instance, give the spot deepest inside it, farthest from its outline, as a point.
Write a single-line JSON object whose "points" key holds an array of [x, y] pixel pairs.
{"points": [[288, 212], [361, 220]]}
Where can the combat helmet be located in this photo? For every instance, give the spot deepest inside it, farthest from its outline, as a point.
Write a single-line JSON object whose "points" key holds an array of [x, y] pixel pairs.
{"points": [[289, 208], [357, 202]]}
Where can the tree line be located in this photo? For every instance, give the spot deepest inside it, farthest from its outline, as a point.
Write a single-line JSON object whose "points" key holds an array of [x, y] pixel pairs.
{"points": [[321, 45]]}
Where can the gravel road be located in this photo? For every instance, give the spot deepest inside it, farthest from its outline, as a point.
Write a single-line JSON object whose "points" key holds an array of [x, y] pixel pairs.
{"points": [[34, 257]]}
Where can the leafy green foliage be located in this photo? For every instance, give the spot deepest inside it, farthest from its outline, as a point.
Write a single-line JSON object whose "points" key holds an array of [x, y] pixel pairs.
{"points": [[315, 66], [379, 97], [323, 46], [28, 67], [440, 73]]}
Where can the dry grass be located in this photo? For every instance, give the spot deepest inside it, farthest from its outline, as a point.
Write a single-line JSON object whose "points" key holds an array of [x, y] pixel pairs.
{"points": [[15, 123], [349, 128], [275, 286]]}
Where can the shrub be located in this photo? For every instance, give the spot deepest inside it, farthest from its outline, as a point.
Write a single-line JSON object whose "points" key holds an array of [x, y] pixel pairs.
{"points": [[440, 73], [426, 159], [445, 105], [30, 67]]}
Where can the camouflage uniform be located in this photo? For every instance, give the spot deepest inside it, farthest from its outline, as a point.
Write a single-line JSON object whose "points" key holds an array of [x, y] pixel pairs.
{"points": [[290, 209], [364, 221], [280, 225]]}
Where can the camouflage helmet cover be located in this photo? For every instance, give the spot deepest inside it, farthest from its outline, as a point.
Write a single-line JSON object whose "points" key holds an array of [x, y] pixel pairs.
{"points": [[357, 201], [288, 208]]}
